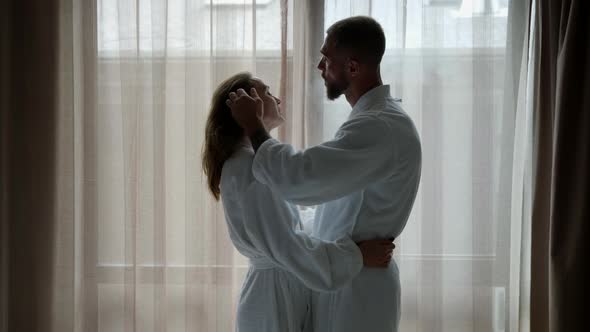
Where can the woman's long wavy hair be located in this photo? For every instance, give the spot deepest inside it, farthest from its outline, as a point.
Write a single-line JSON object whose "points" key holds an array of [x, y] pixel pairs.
{"points": [[222, 132]]}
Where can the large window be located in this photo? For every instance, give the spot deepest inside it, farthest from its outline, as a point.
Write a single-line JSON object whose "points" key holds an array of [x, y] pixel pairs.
{"points": [[189, 28]]}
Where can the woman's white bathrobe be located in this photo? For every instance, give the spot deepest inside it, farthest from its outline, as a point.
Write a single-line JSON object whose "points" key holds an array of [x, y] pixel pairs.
{"points": [[285, 262]]}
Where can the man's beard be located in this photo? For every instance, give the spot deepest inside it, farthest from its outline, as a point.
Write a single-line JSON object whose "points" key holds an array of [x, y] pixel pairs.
{"points": [[336, 89]]}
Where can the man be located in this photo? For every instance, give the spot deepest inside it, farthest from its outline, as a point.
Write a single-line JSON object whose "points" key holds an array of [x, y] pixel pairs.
{"points": [[364, 180]]}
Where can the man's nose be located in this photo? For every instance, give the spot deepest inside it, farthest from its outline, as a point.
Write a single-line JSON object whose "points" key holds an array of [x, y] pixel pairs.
{"points": [[321, 64]]}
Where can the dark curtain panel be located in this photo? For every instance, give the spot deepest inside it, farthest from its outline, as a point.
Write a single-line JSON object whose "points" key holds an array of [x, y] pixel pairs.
{"points": [[561, 201], [28, 62]]}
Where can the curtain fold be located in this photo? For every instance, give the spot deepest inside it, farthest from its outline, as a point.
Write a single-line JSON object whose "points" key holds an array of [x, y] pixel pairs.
{"points": [[305, 115], [74, 246], [559, 288], [516, 164]]}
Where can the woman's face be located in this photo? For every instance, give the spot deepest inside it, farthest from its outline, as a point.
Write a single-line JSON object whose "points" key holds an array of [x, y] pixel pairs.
{"points": [[273, 115]]}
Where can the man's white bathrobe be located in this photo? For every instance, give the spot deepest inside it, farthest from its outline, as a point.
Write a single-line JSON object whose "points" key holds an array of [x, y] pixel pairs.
{"points": [[285, 262], [365, 181]]}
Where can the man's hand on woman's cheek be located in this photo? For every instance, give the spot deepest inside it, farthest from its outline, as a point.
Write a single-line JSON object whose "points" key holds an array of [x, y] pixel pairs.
{"points": [[248, 111]]}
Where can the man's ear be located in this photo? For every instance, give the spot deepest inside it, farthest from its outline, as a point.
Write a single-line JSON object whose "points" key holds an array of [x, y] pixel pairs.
{"points": [[353, 67]]}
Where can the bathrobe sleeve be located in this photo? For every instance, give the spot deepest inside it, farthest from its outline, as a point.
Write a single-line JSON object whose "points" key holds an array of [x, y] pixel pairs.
{"points": [[320, 265], [363, 151]]}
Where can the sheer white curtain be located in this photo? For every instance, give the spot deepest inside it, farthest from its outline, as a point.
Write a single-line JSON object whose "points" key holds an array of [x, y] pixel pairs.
{"points": [[143, 246]]}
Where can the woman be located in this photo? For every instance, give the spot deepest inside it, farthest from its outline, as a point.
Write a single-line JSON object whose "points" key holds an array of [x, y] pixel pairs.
{"points": [[285, 262]]}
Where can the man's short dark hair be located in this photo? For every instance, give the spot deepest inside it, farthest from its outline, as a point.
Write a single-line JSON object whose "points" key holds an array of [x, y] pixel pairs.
{"points": [[362, 36]]}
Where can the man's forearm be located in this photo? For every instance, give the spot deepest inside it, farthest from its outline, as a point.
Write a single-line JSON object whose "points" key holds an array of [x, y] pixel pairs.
{"points": [[258, 137]]}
